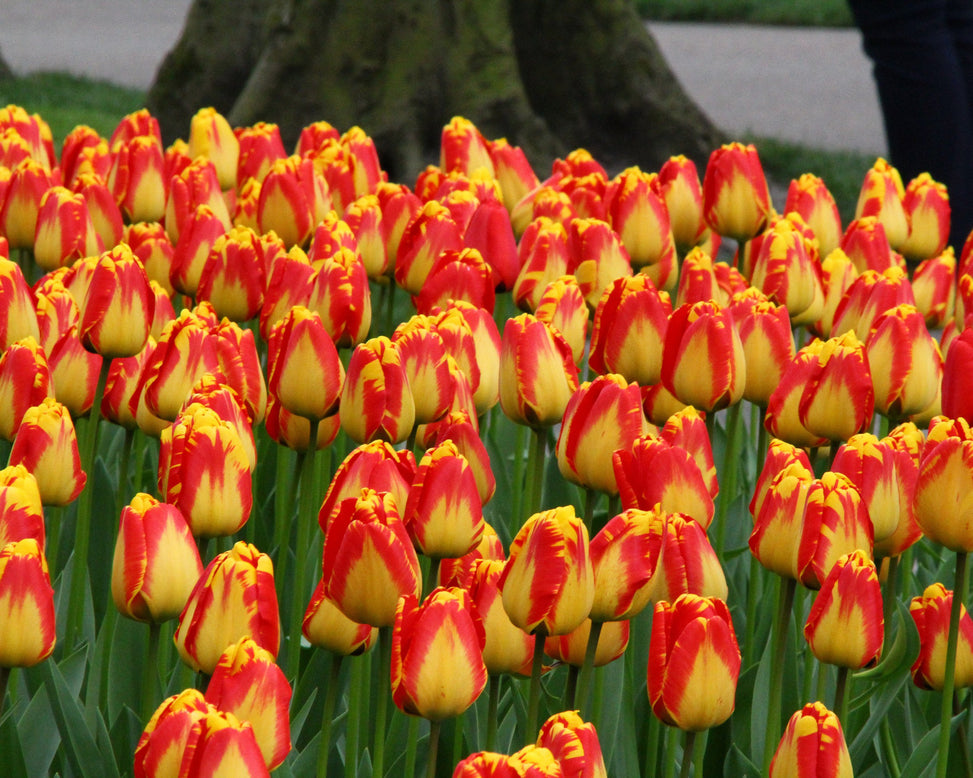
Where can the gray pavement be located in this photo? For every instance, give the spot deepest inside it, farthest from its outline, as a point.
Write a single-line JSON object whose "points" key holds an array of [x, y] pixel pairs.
{"points": [[809, 86]]}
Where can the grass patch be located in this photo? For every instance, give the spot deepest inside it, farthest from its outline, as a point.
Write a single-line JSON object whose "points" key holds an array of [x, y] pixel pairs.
{"points": [[64, 101], [803, 13]]}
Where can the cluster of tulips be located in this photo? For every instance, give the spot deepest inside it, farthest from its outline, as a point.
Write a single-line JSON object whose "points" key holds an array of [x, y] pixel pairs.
{"points": [[188, 336]]}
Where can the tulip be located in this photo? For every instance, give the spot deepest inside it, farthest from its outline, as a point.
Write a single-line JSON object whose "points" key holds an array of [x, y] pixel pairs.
{"points": [[537, 374], [204, 471], [189, 736], [194, 185], [136, 178], [869, 296], [240, 366], [930, 612], [33, 130], [944, 490], [548, 581], [702, 359], [234, 598], [683, 196], [488, 764], [779, 511], [105, 214], [472, 337], [156, 563], [835, 523], [376, 399], [845, 626], [25, 381], [338, 291], [234, 276], [74, 372], [904, 362], [697, 280], [543, 257], [654, 472], [809, 197], [813, 745], [926, 204], [21, 509], [736, 200], [694, 662], [198, 234], [934, 288], [870, 464], [424, 359], [906, 442], [957, 383], [305, 373], [629, 330], [151, 245], [507, 648], [27, 602], [437, 654], [881, 197], [782, 419], [369, 561], [248, 684], [211, 136], [260, 147], [19, 211], [47, 446], [117, 311], [294, 197], [866, 245], [18, 318], [785, 268], [538, 762], [625, 556], [837, 275], [431, 231], [65, 231], [768, 347], [600, 258], [574, 743], [325, 626], [364, 217], [838, 399]]}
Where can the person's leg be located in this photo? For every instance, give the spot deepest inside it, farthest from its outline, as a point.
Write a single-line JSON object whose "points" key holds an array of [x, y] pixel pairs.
{"points": [[923, 93]]}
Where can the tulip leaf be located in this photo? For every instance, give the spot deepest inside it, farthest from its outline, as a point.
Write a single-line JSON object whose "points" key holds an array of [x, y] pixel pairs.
{"points": [[125, 733], [10, 746], [924, 754], [739, 764], [86, 756], [902, 651], [879, 705]]}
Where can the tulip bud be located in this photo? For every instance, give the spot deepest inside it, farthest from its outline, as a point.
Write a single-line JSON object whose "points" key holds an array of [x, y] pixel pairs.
{"points": [[870, 464], [428, 233], [736, 200], [845, 626], [683, 195], [487, 764], [813, 744], [866, 245], [957, 384], [934, 288], [21, 205], [563, 308], [211, 136], [881, 197], [18, 318], [599, 256], [152, 247], [369, 561], [472, 338], [926, 204], [233, 277], [25, 381], [838, 399], [338, 291], [437, 654], [136, 178], [548, 580], [198, 234], [785, 268], [809, 197], [574, 743], [537, 374], [65, 231], [234, 598], [26, 605], [248, 684], [294, 197], [543, 257], [931, 613], [944, 491], [629, 330], [507, 648], [195, 185], [778, 513], [376, 400], [21, 509], [694, 662], [260, 147], [47, 446], [325, 626]]}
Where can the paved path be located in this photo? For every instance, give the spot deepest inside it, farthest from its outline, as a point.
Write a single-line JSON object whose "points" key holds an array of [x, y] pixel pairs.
{"points": [[810, 86]]}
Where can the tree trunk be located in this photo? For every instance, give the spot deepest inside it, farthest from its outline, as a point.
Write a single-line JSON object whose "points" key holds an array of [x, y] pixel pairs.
{"points": [[5, 71], [549, 75]]}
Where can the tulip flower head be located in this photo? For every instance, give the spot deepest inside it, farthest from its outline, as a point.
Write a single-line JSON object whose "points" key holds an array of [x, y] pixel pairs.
{"points": [[736, 200], [26, 605], [437, 654], [809, 197], [575, 744], [694, 662], [812, 744], [325, 626], [21, 509], [838, 399], [931, 613], [25, 381], [376, 399], [46, 444], [944, 490], [881, 197]]}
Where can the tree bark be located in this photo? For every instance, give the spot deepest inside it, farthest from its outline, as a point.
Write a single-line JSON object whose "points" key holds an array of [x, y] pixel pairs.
{"points": [[549, 75]]}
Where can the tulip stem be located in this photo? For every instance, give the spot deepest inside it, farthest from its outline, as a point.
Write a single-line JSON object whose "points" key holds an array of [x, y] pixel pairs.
{"points": [[327, 715], [669, 760], [353, 735], [888, 746], [305, 525], [434, 729], [785, 603], [959, 596], [888, 598], [590, 500], [841, 695], [687, 753], [587, 668], [730, 468], [534, 700], [652, 746], [535, 471], [79, 572], [410, 751], [493, 706], [382, 700], [4, 680], [150, 671]]}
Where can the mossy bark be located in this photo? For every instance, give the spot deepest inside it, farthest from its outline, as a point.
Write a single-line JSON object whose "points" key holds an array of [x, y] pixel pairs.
{"points": [[550, 76]]}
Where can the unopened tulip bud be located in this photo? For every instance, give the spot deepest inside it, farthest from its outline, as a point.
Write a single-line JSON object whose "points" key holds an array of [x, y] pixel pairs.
{"points": [[25, 381], [211, 136], [931, 613], [26, 605], [736, 200], [21, 509], [881, 196], [813, 744], [809, 197], [46, 445], [376, 400], [325, 626]]}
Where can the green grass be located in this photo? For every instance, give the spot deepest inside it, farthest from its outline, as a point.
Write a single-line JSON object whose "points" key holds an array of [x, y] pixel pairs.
{"points": [[805, 13], [65, 101]]}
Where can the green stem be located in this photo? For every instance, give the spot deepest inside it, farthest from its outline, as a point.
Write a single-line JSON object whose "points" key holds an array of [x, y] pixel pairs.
{"points": [[79, 574], [431, 580], [535, 472], [587, 668], [327, 715], [687, 753], [534, 700], [306, 522], [4, 681], [382, 700], [841, 695], [356, 688], [754, 592], [493, 706], [889, 595], [959, 596], [822, 684], [571, 688], [669, 760], [410, 751], [888, 748], [699, 753], [730, 469], [762, 435], [434, 729], [517, 501], [652, 746], [457, 739], [964, 750], [390, 309], [590, 500], [785, 603], [150, 673], [123, 468]]}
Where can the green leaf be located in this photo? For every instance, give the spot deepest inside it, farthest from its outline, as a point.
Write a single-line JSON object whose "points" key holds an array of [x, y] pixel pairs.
{"points": [[902, 652], [923, 758], [879, 705], [39, 741], [10, 747], [82, 749], [124, 735]]}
